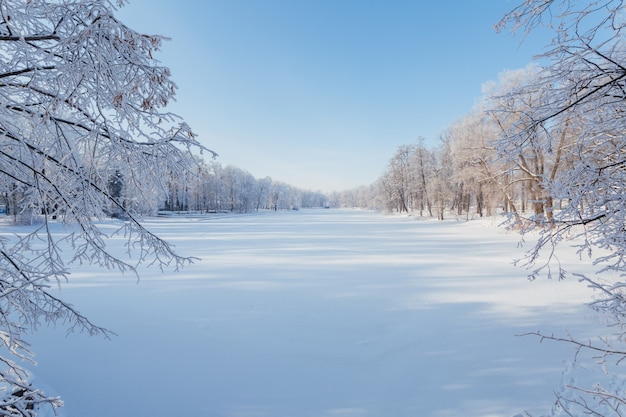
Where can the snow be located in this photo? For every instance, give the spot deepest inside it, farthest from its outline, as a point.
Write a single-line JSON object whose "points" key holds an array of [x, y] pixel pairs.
{"points": [[319, 313]]}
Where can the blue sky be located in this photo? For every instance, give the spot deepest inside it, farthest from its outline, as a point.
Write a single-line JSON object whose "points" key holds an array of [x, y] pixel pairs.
{"points": [[320, 93]]}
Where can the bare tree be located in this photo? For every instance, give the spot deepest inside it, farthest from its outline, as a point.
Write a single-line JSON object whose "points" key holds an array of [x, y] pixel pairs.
{"points": [[80, 91]]}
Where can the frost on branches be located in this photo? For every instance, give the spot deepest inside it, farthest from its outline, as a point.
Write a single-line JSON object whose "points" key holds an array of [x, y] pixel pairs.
{"points": [[81, 109], [575, 112], [575, 105]]}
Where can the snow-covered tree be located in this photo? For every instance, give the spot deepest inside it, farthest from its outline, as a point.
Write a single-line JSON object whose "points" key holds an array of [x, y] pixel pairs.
{"points": [[520, 165], [441, 174], [79, 91], [263, 188], [405, 185], [582, 98], [583, 107], [424, 167], [241, 189], [398, 179], [476, 174]]}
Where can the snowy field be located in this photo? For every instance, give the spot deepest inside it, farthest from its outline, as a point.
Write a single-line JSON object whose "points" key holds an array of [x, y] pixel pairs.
{"points": [[323, 313]]}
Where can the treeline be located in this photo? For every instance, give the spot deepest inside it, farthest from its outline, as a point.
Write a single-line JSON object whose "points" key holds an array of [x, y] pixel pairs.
{"points": [[479, 168], [211, 187], [204, 187]]}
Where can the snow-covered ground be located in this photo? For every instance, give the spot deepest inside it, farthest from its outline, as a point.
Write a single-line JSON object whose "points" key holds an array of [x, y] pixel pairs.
{"points": [[322, 313]]}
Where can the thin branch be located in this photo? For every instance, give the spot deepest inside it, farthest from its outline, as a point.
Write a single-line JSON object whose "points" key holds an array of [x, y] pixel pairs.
{"points": [[32, 38], [575, 343]]}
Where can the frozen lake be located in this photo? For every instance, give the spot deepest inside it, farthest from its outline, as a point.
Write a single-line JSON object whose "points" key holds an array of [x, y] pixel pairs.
{"points": [[325, 313]]}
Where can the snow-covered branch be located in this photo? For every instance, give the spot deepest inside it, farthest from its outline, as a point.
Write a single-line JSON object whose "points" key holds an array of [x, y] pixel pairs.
{"points": [[83, 101]]}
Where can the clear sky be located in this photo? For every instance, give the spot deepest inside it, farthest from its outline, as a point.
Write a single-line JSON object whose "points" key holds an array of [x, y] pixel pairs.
{"points": [[320, 93]]}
